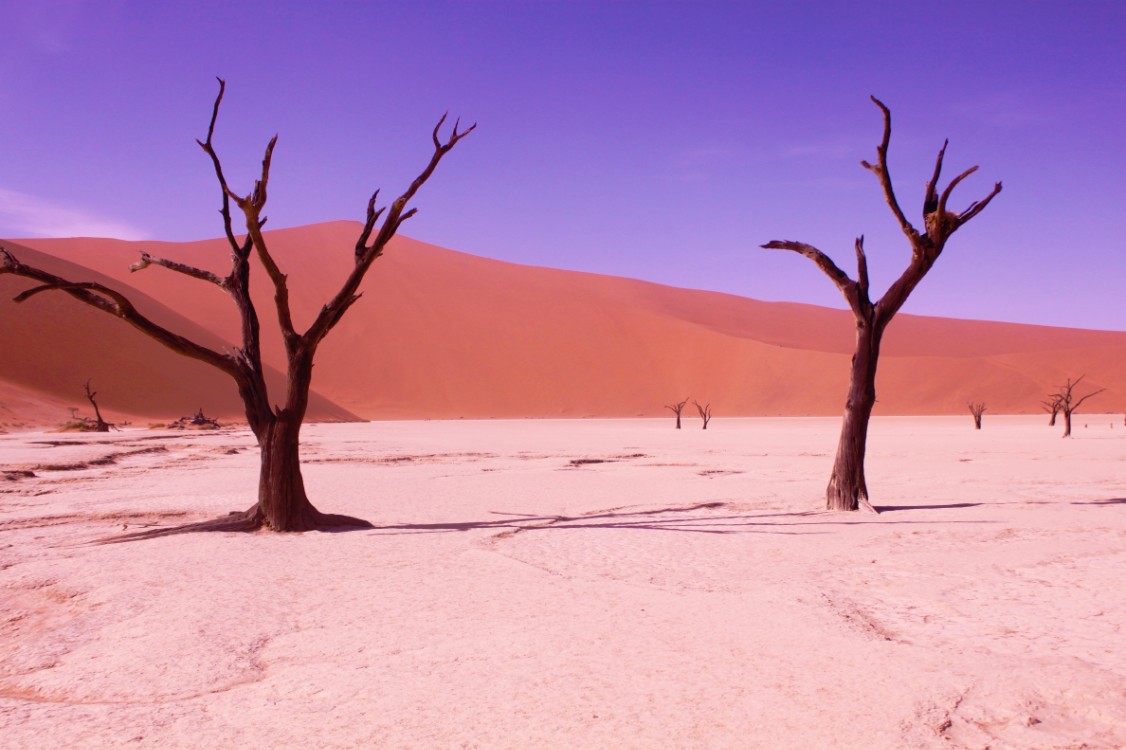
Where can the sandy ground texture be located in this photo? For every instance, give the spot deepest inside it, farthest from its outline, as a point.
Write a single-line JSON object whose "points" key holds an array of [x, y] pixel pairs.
{"points": [[572, 584]]}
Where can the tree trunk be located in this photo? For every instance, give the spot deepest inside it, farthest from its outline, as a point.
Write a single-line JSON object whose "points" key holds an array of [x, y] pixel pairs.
{"points": [[977, 421], [282, 502], [1052, 420], [1067, 424], [678, 421], [847, 488]]}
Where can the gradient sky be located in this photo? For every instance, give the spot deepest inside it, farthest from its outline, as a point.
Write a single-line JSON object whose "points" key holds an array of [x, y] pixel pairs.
{"points": [[659, 140]]}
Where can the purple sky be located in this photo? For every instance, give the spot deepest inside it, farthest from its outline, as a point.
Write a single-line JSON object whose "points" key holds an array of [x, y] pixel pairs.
{"points": [[659, 140]]}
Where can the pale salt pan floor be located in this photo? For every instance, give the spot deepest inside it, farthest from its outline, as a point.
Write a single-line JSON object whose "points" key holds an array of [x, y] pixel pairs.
{"points": [[573, 584]]}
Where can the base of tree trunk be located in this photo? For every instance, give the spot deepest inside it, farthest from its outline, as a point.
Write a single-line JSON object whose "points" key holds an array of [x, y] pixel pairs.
{"points": [[248, 520]]}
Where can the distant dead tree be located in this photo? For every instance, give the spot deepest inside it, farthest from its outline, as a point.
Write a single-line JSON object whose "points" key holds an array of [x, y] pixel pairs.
{"points": [[100, 425], [847, 488], [198, 422], [705, 412], [282, 503], [677, 408], [1069, 403], [1051, 405], [977, 410]]}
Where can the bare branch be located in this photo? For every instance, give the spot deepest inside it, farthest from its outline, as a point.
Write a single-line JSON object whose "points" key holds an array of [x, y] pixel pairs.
{"points": [[239, 249], [115, 303], [365, 255], [196, 273], [861, 269], [950, 188], [848, 287], [1080, 401], [978, 206], [930, 201], [880, 169]]}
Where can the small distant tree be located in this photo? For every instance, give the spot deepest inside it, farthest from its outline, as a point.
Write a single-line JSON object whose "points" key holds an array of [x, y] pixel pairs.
{"points": [[847, 488], [1070, 403], [705, 412], [977, 410], [677, 408], [1052, 406], [282, 503], [99, 425]]}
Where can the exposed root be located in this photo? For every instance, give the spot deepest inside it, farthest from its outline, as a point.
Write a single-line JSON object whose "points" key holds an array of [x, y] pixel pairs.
{"points": [[245, 521]]}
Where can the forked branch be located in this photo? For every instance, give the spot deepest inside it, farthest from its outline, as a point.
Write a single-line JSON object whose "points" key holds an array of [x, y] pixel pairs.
{"points": [[113, 302], [365, 255]]}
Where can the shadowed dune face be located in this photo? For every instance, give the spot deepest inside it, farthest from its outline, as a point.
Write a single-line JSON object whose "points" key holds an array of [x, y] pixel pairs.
{"points": [[441, 334]]}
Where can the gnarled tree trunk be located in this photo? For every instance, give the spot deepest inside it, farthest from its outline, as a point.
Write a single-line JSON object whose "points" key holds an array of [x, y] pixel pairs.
{"points": [[848, 487]]}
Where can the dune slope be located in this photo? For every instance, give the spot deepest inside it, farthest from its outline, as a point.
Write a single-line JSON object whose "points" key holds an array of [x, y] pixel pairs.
{"points": [[442, 334]]}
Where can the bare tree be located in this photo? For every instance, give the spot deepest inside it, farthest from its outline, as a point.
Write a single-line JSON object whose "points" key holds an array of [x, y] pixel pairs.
{"points": [[977, 409], [282, 503], [1051, 405], [847, 488], [705, 412], [1069, 403], [677, 408], [100, 425]]}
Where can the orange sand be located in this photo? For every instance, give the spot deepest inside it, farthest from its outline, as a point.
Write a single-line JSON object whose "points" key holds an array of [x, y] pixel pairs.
{"points": [[441, 334]]}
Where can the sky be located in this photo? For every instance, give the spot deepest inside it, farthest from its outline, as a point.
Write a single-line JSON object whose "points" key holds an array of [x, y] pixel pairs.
{"points": [[663, 141]]}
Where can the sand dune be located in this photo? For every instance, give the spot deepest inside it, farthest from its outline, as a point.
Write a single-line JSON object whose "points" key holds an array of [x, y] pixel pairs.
{"points": [[442, 334]]}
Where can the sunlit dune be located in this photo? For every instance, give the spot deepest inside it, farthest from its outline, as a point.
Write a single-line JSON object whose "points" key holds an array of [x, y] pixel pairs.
{"points": [[442, 334]]}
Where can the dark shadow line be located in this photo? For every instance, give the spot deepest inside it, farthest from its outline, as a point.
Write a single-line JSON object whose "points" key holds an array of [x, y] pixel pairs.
{"points": [[892, 508]]}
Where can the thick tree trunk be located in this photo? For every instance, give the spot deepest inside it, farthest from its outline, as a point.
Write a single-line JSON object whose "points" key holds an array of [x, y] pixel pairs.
{"points": [[1067, 424], [282, 502], [847, 488]]}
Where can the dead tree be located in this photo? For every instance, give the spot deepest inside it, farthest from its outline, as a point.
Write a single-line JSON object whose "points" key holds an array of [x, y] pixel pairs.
{"points": [[99, 424], [199, 421], [282, 503], [1052, 406], [705, 412], [847, 488], [1069, 403], [977, 410], [677, 408]]}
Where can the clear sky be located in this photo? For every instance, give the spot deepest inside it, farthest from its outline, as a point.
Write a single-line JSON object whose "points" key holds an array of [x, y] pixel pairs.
{"points": [[658, 140]]}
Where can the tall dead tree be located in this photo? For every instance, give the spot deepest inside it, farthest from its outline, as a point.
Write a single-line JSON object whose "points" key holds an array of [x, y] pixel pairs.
{"points": [[677, 408], [847, 488], [977, 409], [705, 412], [1052, 406], [282, 503], [1069, 402]]}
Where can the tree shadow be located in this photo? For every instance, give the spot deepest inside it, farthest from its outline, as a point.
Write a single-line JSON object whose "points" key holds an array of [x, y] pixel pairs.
{"points": [[1108, 501], [243, 522], [645, 520], [892, 508]]}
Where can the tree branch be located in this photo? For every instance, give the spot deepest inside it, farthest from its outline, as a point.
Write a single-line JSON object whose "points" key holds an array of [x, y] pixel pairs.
{"points": [[861, 269], [849, 288], [196, 273], [365, 255], [880, 169], [240, 249], [115, 303]]}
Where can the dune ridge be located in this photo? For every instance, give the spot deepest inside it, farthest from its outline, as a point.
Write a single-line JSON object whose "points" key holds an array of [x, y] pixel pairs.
{"points": [[443, 334]]}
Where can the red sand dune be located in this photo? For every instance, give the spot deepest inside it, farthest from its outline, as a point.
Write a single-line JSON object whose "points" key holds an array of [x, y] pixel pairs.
{"points": [[441, 334]]}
